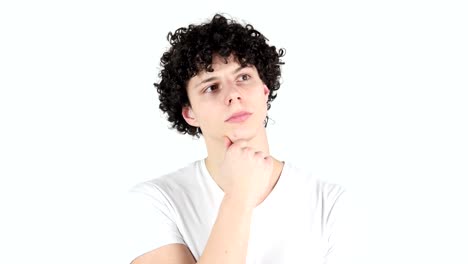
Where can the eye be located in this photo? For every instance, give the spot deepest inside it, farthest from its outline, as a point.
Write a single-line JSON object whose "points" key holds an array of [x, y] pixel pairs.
{"points": [[210, 88], [244, 77]]}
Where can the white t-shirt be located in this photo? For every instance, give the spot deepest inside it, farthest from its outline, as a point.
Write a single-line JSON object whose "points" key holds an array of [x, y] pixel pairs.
{"points": [[303, 220]]}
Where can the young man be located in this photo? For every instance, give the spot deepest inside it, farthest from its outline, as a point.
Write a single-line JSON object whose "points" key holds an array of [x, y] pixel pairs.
{"points": [[239, 204]]}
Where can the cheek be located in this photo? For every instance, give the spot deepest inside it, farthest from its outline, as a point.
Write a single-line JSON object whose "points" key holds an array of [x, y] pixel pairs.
{"points": [[207, 114]]}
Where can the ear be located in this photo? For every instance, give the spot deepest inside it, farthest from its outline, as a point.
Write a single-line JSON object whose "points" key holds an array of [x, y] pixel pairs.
{"points": [[187, 114], [266, 91]]}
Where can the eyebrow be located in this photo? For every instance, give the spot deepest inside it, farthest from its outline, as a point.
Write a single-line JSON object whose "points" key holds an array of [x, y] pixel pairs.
{"points": [[214, 78]]}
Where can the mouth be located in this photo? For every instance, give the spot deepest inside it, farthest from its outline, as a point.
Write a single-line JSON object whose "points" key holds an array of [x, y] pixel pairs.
{"points": [[238, 117]]}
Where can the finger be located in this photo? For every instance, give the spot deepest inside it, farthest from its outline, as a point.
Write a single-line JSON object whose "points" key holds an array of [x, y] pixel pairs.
{"points": [[259, 154], [268, 159], [227, 142], [241, 144]]}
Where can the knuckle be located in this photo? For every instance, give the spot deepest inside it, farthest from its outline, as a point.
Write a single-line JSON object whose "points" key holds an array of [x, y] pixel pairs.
{"points": [[259, 154]]}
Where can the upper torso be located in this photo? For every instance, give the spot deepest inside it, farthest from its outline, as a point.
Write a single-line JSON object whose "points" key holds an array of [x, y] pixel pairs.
{"points": [[291, 225]]}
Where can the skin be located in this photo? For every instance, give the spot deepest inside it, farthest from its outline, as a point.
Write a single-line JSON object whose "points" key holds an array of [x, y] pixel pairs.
{"points": [[238, 158], [214, 96]]}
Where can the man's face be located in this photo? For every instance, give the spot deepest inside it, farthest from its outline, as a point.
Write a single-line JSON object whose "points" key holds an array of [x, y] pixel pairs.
{"points": [[230, 101]]}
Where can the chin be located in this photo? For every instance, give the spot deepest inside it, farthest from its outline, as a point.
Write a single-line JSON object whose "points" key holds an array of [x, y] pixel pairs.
{"points": [[243, 133]]}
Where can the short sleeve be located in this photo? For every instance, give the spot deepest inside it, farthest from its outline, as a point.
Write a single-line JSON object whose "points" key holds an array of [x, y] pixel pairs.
{"points": [[345, 230], [150, 220]]}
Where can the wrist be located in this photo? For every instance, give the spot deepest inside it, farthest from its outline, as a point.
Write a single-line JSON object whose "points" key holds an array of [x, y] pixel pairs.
{"points": [[238, 204]]}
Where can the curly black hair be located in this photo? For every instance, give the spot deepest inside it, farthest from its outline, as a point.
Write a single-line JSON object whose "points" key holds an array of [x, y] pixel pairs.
{"points": [[192, 51]]}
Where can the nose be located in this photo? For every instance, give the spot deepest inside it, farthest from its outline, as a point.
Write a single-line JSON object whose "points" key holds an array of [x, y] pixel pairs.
{"points": [[238, 98], [233, 95]]}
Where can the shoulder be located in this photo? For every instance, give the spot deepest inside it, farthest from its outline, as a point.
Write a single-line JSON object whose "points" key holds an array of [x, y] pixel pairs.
{"points": [[151, 211], [172, 182], [319, 186]]}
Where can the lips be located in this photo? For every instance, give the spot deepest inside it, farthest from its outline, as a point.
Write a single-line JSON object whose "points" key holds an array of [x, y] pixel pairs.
{"points": [[238, 117]]}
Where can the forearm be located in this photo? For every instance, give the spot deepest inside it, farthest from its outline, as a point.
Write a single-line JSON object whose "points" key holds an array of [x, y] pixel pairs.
{"points": [[228, 241]]}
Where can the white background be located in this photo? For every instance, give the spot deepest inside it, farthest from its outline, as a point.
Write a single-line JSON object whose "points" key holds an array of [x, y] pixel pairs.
{"points": [[373, 96]]}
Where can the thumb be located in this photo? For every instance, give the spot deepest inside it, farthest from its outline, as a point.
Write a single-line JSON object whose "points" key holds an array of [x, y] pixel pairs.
{"points": [[227, 142]]}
